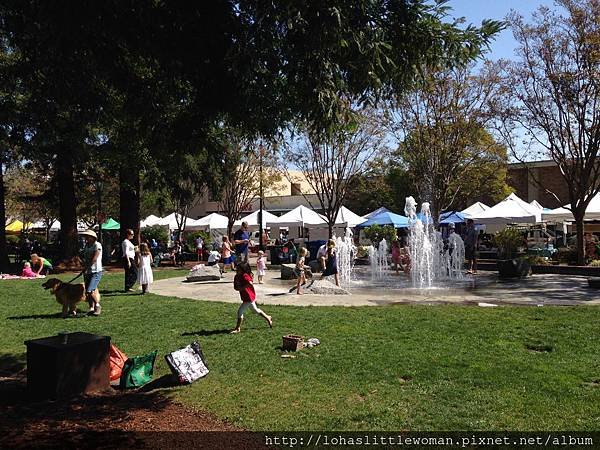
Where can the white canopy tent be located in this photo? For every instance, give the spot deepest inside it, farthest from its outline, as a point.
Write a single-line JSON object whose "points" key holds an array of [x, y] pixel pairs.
{"points": [[211, 222], [252, 219], [536, 204], [474, 209], [40, 224], [510, 210], [300, 216], [562, 214], [347, 218], [149, 221], [171, 221]]}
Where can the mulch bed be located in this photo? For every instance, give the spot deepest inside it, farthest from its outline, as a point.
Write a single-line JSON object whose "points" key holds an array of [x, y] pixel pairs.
{"points": [[114, 419]]}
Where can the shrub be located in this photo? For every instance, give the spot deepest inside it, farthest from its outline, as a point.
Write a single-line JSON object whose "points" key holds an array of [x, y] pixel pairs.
{"points": [[156, 232], [362, 252], [12, 239], [566, 255], [376, 233], [595, 263], [192, 236], [537, 260], [507, 241]]}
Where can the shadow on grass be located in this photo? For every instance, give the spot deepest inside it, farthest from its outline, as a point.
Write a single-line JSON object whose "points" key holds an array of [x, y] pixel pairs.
{"points": [[206, 332], [166, 381], [57, 315]]}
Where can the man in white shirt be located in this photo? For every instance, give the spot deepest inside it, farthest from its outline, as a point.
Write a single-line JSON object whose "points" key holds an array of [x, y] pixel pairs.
{"points": [[129, 261]]}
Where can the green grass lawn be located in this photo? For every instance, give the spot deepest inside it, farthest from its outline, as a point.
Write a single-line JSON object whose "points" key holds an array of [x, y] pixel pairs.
{"points": [[378, 368]]}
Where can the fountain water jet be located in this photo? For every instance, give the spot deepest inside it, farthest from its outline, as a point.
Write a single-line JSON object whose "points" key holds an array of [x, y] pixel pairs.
{"points": [[346, 252]]}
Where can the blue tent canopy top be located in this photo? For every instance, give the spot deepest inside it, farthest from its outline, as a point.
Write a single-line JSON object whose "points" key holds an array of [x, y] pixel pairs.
{"points": [[386, 218], [452, 217], [378, 211]]}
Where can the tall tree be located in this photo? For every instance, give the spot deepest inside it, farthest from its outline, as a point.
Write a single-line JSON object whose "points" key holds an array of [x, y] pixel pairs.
{"points": [[551, 98], [330, 162], [440, 126]]}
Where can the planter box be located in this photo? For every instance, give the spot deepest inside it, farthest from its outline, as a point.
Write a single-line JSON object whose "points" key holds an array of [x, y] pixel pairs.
{"points": [[293, 343], [513, 268]]}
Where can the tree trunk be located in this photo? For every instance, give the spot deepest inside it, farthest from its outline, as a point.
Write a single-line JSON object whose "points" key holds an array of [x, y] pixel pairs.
{"points": [[578, 215], [129, 202], [4, 261], [67, 204], [330, 226]]}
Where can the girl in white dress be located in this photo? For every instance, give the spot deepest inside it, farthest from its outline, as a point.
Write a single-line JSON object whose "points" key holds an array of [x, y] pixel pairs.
{"points": [[145, 276]]}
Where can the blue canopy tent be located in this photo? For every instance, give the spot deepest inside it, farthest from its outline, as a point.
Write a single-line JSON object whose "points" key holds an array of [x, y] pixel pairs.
{"points": [[378, 211], [452, 217], [386, 218]]}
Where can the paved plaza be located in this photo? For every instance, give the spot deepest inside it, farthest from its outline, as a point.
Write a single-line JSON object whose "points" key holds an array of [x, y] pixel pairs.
{"points": [[484, 289]]}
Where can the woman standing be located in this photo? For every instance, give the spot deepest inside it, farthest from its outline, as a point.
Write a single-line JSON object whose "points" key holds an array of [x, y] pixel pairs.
{"points": [[129, 261], [331, 263]]}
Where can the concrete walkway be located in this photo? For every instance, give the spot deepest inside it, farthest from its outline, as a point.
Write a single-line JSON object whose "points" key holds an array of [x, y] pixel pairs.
{"points": [[484, 290]]}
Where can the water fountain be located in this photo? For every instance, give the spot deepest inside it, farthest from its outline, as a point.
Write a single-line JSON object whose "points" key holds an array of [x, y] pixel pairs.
{"points": [[431, 259], [378, 259], [346, 252]]}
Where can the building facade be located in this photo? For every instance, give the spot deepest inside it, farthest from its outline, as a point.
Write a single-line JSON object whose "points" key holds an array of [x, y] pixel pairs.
{"points": [[530, 181]]}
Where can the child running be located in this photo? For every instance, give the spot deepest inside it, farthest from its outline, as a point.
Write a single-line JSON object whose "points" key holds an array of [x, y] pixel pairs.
{"points": [[299, 270], [243, 284], [145, 276], [261, 266]]}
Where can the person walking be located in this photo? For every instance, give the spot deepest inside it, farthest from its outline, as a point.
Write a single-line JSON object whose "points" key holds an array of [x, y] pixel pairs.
{"points": [[261, 266], [199, 247], [128, 250], [226, 254], [470, 239], [243, 284], [241, 238], [299, 270], [92, 260], [145, 275]]}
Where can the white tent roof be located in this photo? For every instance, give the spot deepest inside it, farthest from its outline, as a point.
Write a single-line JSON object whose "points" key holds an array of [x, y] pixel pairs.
{"points": [[40, 224], [213, 221], [563, 214], [474, 209], [510, 210], [348, 218], [171, 221], [252, 219], [536, 204], [300, 216], [150, 221]]}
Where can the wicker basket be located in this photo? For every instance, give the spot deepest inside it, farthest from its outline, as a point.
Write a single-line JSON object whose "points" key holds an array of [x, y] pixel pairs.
{"points": [[293, 343]]}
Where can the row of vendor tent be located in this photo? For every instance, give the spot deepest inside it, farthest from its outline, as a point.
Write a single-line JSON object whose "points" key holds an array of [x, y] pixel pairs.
{"points": [[17, 226]]}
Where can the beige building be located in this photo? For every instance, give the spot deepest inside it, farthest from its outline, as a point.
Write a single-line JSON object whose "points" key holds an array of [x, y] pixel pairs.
{"points": [[279, 198]]}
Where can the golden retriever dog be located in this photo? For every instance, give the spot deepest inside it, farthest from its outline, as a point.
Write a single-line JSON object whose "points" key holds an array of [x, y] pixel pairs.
{"points": [[67, 294]]}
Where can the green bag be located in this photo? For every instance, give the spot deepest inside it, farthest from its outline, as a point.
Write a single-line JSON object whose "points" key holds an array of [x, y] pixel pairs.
{"points": [[138, 370]]}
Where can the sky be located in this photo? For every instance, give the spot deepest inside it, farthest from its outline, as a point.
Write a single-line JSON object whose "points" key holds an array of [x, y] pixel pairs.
{"points": [[474, 11]]}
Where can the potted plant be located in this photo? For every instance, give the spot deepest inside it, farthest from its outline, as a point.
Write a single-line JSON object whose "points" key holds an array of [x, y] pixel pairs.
{"points": [[508, 242]]}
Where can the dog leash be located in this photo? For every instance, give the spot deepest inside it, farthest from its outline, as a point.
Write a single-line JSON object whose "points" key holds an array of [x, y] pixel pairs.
{"points": [[64, 284]]}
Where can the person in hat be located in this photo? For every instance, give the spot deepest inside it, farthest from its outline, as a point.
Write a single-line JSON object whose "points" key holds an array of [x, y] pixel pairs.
{"points": [[92, 254]]}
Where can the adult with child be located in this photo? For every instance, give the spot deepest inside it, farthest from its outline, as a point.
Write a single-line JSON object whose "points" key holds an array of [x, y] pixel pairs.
{"points": [[129, 265], [243, 283], [145, 276], [92, 260], [40, 265], [331, 263], [241, 239]]}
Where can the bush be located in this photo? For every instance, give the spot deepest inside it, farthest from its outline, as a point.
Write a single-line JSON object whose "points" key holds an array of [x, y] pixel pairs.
{"points": [[537, 260], [191, 238], [507, 241], [595, 263], [566, 255], [362, 252], [376, 233], [156, 232], [13, 239]]}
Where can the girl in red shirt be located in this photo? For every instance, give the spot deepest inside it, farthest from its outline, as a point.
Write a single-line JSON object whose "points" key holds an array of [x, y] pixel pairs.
{"points": [[243, 284]]}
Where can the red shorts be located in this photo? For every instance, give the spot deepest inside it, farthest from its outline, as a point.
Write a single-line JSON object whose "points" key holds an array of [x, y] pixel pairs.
{"points": [[199, 251]]}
